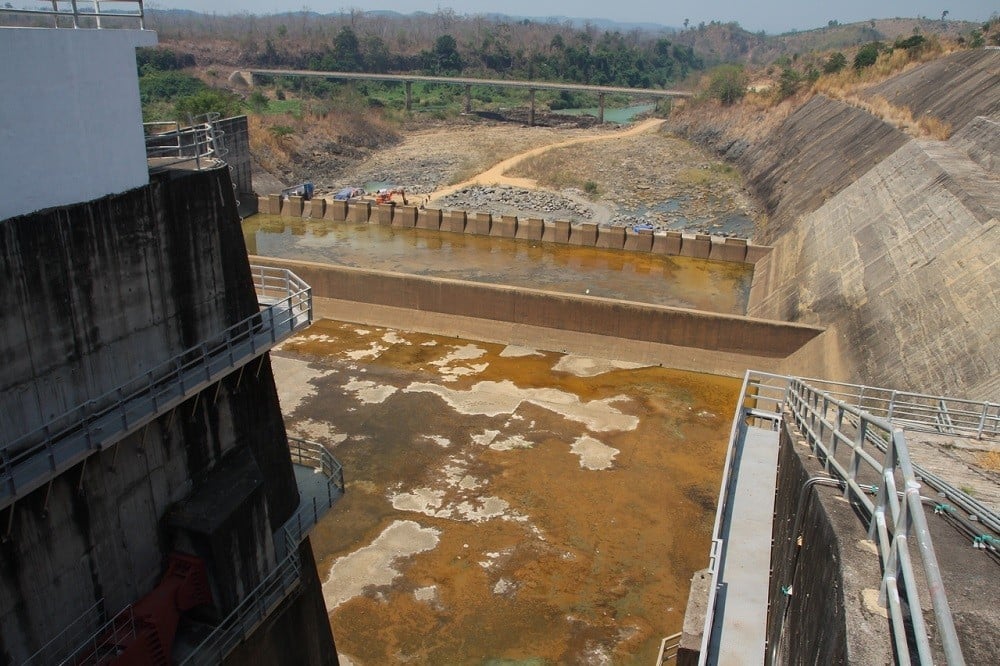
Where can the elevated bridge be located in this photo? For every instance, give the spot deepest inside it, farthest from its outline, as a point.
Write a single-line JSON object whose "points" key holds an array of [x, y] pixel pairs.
{"points": [[247, 76]]}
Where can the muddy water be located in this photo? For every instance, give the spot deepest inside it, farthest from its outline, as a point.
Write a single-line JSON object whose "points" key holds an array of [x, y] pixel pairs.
{"points": [[504, 505], [636, 276]]}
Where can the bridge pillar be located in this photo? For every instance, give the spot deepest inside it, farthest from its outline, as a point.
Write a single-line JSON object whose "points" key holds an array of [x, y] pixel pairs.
{"points": [[531, 111], [468, 98], [409, 95], [600, 107]]}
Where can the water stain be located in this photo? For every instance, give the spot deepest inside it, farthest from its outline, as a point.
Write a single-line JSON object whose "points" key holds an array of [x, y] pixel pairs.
{"points": [[715, 286], [538, 557]]}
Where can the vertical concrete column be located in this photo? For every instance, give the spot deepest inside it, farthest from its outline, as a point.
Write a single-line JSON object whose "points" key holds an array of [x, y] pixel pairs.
{"points": [[468, 98], [409, 94], [292, 207], [307, 207], [359, 211], [600, 107], [556, 231], [429, 218], [318, 209], [728, 249], [263, 204], [531, 111], [336, 211], [698, 246], [404, 216]]}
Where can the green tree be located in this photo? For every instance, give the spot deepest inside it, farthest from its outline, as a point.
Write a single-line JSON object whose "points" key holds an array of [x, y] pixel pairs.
{"points": [[835, 63], [727, 83], [446, 54], [208, 100], [867, 55], [789, 82], [257, 101], [346, 51]]}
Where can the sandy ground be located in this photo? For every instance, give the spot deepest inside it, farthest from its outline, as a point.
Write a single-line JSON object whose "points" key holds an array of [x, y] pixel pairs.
{"points": [[626, 175]]}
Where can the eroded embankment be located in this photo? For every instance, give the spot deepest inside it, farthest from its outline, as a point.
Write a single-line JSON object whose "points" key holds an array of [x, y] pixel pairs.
{"points": [[890, 241]]}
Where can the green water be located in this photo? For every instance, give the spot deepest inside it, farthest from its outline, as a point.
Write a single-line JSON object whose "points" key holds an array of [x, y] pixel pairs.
{"points": [[620, 116]]}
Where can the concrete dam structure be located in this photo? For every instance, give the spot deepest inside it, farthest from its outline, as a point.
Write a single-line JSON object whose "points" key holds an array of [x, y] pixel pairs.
{"points": [[152, 509]]}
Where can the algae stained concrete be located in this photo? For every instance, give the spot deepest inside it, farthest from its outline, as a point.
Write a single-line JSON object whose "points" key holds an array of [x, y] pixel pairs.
{"points": [[503, 502]]}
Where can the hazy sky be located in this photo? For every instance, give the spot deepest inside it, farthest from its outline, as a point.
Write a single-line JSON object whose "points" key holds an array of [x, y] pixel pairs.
{"points": [[769, 15]]}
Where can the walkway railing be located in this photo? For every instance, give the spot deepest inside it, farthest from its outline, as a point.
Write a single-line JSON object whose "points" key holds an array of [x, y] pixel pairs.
{"points": [[822, 418], [169, 145], [831, 425], [84, 13], [36, 458], [284, 580], [918, 411]]}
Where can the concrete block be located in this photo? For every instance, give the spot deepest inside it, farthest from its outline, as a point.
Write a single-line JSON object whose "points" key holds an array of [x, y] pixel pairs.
{"points": [[292, 207], [307, 207], [318, 209], [404, 216], [697, 246], [506, 227], [728, 249], [611, 237], [273, 204], [638, 241], [757, 252], [336, 211], [556, 231], [479, 223], [530, 229], [454, 221], [429, 218], [262, 204], [584, 234], [359, 211], [382, 214]]}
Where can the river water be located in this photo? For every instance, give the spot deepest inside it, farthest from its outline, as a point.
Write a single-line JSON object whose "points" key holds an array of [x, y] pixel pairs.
{"points": [[713, 286]]}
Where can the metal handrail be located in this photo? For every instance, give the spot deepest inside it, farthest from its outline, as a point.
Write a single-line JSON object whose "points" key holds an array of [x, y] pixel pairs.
{"points": [[890, 521], [668, 648], [279, 583], [169, 144], [919, 411], [75, 12], [750, 392], [96, 424]]}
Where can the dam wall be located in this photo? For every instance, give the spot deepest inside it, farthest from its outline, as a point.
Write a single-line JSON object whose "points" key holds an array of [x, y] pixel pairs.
{"points": [[585, 314], [887, 240], [93, 295], [671, 243]]}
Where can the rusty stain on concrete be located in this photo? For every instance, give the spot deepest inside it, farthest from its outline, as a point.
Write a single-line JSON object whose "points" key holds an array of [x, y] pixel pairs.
{"points": [[568, 512]]}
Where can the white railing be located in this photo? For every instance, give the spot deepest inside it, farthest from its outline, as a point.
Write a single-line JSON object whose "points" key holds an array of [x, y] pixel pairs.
{"points": [[84, 13], [918, 411], [895, 514], [169, 145], [33, 459]]}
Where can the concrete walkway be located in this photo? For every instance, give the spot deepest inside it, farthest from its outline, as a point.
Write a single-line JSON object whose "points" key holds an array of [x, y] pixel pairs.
{"points": [[739, 630]]}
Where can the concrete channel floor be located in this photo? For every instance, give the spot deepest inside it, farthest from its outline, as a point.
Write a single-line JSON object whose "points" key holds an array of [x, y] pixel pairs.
{"points": [[739, 630]]}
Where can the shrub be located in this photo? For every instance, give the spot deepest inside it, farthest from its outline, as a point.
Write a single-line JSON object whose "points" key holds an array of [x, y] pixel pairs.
{"points": [[728, 84], [590, 187], [209, 100], [835, 63], [788, 82], [867, 55]]}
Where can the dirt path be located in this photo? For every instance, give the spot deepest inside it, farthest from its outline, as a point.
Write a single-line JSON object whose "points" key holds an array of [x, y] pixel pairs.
{"points": [[495, 175]]}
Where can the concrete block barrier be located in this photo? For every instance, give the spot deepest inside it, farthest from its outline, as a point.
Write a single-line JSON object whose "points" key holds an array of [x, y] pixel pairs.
{"points": [[453, 221], [382, 214], [698, 246], [404, 216], [292, 207], [556, 231], [757, 252], [584, 234], [728, 249], [429, 218], [506, 227], [336, 211], [359, 211], [530, 229], [479, 223], [273, 204], [318, 209], [611, 237], [638, 241]]}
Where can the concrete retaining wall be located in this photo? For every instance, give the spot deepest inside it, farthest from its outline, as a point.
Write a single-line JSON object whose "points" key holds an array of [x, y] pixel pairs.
{"points": [[128, 282], [699, 246], [628, 321]]}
